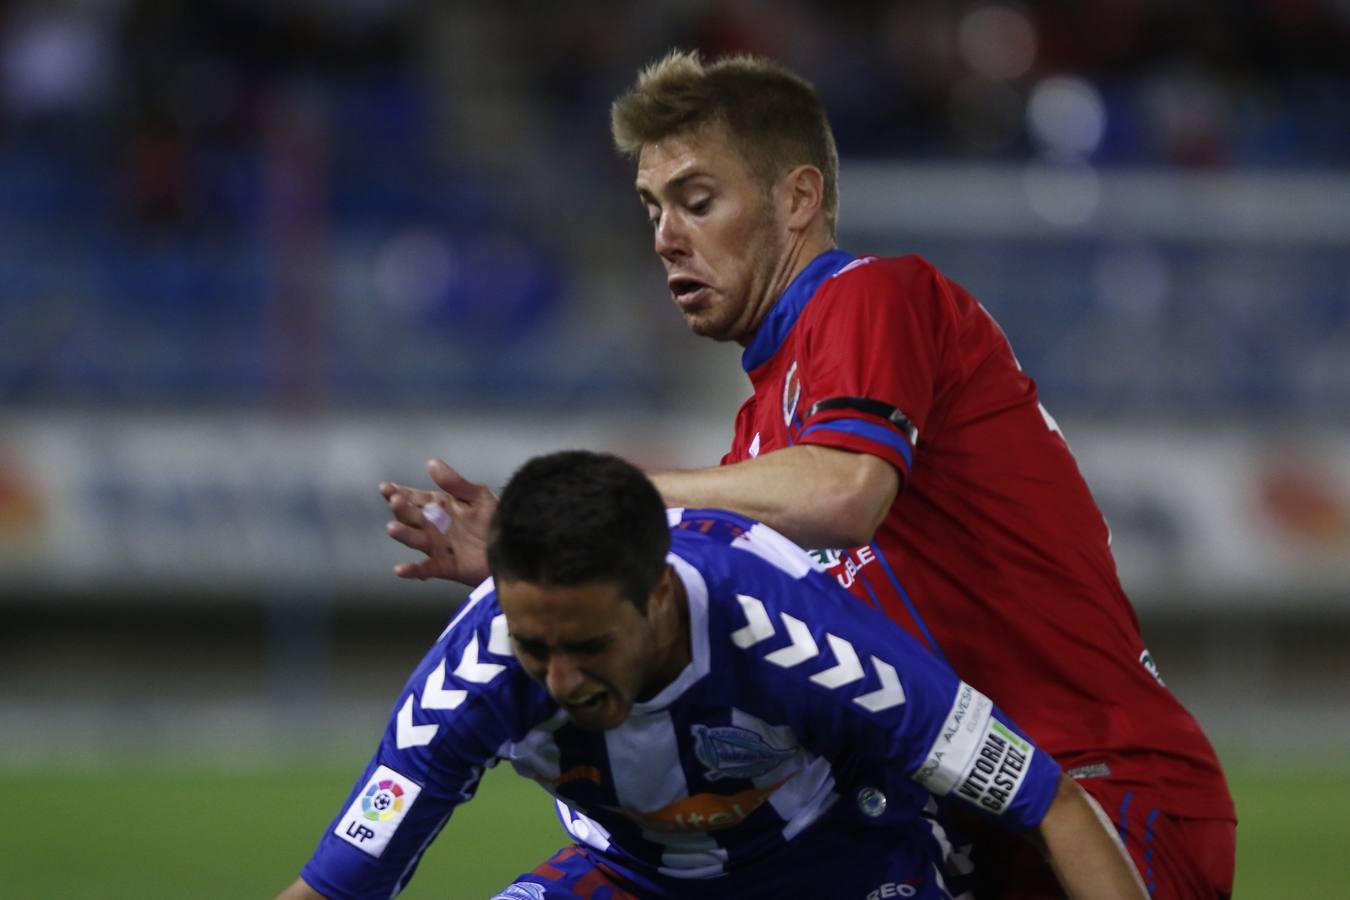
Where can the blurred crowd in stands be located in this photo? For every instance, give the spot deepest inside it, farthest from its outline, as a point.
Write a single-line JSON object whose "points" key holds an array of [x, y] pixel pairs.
{"points": [[242, 202]]}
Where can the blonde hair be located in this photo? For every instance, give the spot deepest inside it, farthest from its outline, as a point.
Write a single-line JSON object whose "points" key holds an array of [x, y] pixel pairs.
{"points": [[773, 117]]}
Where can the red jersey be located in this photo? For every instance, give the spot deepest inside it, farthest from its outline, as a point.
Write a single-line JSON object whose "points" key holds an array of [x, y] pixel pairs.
{"points": [[994, 553]]}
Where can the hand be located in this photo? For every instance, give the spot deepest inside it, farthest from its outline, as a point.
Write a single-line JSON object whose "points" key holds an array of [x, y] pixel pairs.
{"points": [[459, 553]]}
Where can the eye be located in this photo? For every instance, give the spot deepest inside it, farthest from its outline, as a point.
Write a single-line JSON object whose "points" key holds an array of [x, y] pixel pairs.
{"points": [[531, 649], [589, 648], [700, 207]]}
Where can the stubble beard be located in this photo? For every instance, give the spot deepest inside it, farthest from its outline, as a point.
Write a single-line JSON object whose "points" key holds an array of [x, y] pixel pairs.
{"points": [[737, 320]]}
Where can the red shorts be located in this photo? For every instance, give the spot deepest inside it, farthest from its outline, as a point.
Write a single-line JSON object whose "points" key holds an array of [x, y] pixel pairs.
{"points": [[1179, 858], [570, 874]]}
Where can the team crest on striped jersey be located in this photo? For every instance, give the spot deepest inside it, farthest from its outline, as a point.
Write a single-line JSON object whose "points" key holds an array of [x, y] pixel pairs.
{"points": [[731, 752]]}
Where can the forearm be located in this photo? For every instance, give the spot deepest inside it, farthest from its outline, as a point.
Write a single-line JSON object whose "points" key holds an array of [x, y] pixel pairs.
{"points": [[817, 496], [1083, 850]]}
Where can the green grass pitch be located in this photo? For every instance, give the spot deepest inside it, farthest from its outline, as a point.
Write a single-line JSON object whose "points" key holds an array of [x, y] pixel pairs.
{"points": [[149, 834]]}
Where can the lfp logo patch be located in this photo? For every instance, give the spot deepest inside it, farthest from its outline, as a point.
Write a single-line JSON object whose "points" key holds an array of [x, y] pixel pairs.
{"points": [[375, 814], [383, 800]]}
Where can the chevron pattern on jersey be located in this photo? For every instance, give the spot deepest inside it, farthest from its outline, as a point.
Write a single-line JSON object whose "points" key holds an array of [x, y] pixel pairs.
{"points": [[803, 646], [410, 735], [436, 696], [758, 626], [846, 670]]}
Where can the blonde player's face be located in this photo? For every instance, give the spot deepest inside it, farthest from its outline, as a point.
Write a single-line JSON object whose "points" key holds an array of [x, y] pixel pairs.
{"points": [[591, 648], [716, 229]]}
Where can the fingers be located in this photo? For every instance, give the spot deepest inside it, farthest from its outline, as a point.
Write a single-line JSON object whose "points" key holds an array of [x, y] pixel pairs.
{"points": [[410, 536], [453, 483], [441, 524], [391, 490], [419, 570], [416, 515], [405, 511], [436, 515]]}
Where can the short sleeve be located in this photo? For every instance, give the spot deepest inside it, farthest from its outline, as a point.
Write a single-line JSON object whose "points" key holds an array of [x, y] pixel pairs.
{"points": [[870, 357], [457, 709]]}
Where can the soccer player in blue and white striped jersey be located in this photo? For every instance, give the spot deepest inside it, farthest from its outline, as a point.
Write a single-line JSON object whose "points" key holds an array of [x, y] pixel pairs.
{"points": [[714, 716]]}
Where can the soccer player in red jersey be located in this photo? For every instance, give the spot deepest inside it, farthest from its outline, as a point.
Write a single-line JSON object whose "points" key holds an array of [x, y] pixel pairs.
{"points": [[892, 428]]}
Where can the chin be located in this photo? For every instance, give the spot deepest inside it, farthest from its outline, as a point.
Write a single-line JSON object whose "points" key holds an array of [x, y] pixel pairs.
{"points": [[608, 717], [606, 723], [717, 331]]}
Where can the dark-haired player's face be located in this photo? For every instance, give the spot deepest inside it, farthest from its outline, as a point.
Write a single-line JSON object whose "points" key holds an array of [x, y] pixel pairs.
{"points": [[716, 230], [588, 645]]}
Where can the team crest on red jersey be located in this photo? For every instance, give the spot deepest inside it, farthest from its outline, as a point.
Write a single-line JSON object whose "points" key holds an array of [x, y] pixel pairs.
{"points": [[792, 392]]}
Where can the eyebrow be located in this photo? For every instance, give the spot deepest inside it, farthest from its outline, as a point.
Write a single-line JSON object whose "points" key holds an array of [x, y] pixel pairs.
{"points": [[675, 184], [580, 645]]}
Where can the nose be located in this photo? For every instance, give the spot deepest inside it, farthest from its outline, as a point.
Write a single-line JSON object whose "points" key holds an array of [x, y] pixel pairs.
{"points": [[670, 239], [563, 678]]}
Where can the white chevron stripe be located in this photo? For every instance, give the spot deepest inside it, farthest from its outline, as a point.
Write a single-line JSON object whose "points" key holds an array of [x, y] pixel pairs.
{"points": [[410, 735], [434, 694], [500, 641], [803, 645], [470, 669], [889, 694], [848, 669], [759, 626]]}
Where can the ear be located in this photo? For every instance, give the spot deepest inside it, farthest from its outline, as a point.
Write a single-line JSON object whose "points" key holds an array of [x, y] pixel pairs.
{"points": [[663, 594], [803, 190]]}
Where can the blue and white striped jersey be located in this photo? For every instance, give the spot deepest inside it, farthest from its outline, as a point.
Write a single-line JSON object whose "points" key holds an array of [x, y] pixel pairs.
{"points": [[807, 726]]}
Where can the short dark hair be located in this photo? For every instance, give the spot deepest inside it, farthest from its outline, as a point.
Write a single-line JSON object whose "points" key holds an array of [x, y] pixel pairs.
{"points": [[578, 517]]}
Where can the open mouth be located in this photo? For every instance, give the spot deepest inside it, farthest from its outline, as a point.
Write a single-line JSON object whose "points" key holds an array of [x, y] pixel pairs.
{"points": [[686, 290], [588, 703]]}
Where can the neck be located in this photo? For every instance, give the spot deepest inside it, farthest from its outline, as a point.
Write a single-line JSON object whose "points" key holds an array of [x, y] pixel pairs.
{"points": [[797, 253]]}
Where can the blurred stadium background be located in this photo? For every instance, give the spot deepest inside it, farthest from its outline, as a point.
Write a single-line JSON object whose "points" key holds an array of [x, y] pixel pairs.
{"points": [[255, 257]]}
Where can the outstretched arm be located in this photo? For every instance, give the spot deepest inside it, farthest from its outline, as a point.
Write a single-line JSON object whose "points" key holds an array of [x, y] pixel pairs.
{"points": [[816, 496], [452, 537], [1083, 850]]}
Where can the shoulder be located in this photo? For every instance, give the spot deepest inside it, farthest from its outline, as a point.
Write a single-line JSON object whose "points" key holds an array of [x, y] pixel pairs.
{"points": [[476, 646], [720, 526], [477, 613], [872, 272], [470, 665], [872, 285], [719, 540]]}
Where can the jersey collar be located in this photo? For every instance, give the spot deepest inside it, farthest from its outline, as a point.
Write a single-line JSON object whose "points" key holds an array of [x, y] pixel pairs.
{"points": [[776, 325]]}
